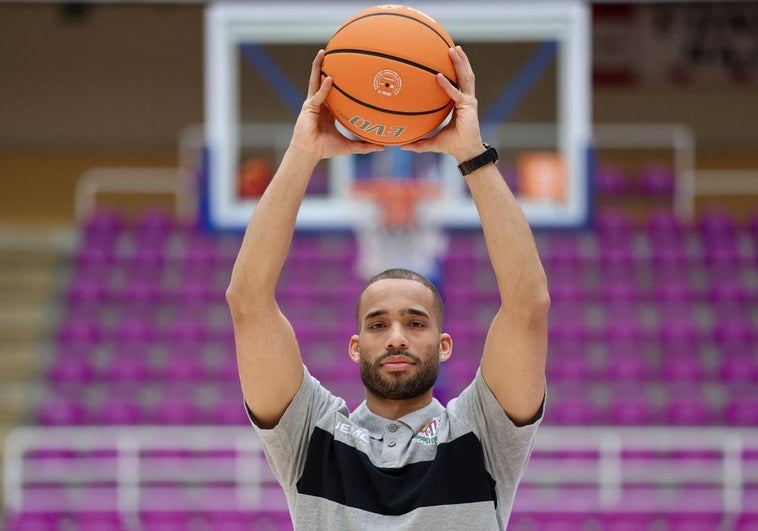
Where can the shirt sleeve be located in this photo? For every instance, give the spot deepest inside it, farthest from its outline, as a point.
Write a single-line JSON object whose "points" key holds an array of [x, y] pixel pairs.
{"points": [[506, 446], [286, 444]]}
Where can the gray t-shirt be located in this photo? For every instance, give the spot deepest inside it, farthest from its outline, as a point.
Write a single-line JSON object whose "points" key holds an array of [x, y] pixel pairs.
{"points": [[434, 469]]}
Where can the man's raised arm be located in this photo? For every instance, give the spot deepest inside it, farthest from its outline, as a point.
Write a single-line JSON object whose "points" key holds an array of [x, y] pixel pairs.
{"points": [[268, 355], [513, 362]]}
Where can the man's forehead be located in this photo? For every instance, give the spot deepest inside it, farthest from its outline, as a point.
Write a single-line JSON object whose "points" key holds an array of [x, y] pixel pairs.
{"points": [[397, 287], [397, 294]]}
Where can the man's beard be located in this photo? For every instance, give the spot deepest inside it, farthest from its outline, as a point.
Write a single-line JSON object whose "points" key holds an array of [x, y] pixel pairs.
{"points": [[398, 385]]}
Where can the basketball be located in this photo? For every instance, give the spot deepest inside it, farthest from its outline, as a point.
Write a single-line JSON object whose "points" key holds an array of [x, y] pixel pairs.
{"points": [[384, 62]]}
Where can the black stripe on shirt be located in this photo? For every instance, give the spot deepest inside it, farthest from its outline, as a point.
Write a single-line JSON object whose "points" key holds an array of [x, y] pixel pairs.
{"points": [[342, 474]]}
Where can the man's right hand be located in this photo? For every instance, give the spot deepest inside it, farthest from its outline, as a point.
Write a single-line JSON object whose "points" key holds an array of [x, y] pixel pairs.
{"points": [[315, 134]]}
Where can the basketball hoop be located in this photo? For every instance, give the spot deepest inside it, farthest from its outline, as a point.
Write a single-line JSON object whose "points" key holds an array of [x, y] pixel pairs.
{"points": [[397, 198], [391, 228]]}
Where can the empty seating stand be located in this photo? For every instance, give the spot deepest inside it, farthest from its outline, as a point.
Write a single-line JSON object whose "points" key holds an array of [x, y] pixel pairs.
{"points": [[653, 324]]}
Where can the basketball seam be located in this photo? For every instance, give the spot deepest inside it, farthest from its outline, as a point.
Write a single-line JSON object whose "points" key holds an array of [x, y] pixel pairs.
{"points": [[448, 44], [381, 109], [391, 57]]}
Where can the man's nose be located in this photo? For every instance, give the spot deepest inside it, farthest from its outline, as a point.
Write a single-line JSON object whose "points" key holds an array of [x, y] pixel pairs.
{"points": [[396, 338]]}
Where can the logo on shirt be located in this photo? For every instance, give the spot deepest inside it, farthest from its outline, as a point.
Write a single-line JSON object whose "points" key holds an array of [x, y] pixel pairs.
{"points": [[356, 434], [428, 434]]}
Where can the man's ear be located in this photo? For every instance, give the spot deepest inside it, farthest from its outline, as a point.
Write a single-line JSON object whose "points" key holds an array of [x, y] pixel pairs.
{"points": [[446, 346], [354, 349]]}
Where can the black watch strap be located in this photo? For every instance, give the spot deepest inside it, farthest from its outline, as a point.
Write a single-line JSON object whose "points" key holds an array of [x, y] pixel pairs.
{"points": [[489, 155]]}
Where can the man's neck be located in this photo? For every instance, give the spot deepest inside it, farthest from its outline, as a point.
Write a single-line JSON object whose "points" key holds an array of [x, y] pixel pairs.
{"points": [[395, 409]]}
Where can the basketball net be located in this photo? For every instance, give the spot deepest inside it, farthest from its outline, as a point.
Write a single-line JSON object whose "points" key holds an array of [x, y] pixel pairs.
{"points": [[392, 229]]}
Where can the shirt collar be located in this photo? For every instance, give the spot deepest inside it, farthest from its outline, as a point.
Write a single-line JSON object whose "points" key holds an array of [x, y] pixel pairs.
{"points": [[415, 420]]}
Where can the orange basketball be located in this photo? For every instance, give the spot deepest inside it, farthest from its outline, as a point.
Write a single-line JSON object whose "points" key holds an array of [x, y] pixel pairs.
{"points": [[384, 62]]}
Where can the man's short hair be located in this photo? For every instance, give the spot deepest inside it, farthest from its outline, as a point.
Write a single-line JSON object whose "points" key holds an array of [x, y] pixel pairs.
{"points": [[405, 274]]}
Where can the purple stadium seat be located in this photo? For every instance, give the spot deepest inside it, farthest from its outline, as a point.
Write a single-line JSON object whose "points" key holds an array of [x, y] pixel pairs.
{"points": [[86, 294], [679, 334], [270, 521], [613, 181], [669, 262], [568, 291], [187, 331], [633, 410], [572, 335], [626, 521], [664, 227], [134, 330], [752, 229], [722, 261], [79, 330], [735, 334], [127, 367], [674, 292], [94, 263], [183, 364], [466, 243], [198, 294], [174, 410], [146, 263], [614, 228], [716, 227], [157, 520], [33, 521], [624, 333], [568, 364], [694, 521], [102, 227], [574, 410], [625, 362], [118, 410], [690, 410], [738, 367], [138, 295], [61, 410], [746, 521], [155, 221], [657, 180], [618, 263], [70, 369], [563, 252], [202, 252], [682, 365], [742, 410], [227, 520], [227, 411], [728, 297]]}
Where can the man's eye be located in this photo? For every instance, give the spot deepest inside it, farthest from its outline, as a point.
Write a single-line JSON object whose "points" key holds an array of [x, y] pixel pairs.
{"points": [[375, 326], [417, 324]]}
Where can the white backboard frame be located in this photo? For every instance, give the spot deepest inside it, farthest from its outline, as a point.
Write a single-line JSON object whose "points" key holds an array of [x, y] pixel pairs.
{"points": [[230, 24]]}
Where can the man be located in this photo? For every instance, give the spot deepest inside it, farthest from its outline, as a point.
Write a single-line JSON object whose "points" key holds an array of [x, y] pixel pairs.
{"points": [[401, 460]]}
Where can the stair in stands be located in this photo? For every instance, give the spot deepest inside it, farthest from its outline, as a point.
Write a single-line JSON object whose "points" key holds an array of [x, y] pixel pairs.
{"points": [[32, 264]]}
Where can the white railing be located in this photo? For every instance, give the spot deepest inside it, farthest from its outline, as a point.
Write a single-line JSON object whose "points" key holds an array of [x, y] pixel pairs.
{"points": [[632, 469], [209, 468], [135, 181], [676, 138]]}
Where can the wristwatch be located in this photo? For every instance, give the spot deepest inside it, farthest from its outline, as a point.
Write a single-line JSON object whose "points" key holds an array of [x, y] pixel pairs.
{"points": [[489, 155]]}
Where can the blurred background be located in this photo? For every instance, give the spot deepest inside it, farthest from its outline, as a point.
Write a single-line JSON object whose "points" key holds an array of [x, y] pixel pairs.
{"points": [[120, 406]]}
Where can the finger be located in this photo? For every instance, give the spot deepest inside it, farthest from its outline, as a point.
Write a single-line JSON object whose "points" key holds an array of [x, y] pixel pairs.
{"points": [[463, 70], [418, 146], [315, 80], [320, 96], [453, 93]]}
